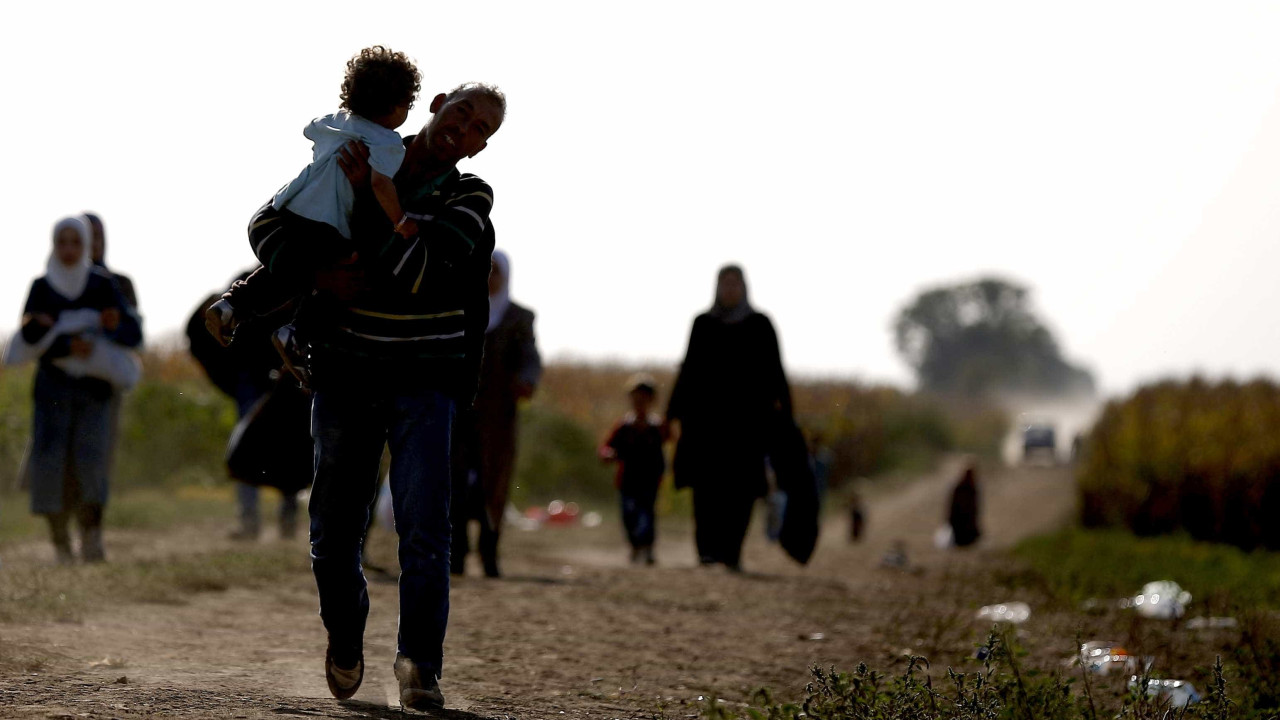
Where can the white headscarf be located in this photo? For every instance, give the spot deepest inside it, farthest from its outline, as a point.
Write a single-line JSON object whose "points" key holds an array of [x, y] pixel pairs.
{"points": [[69, 281], [501, 300]]}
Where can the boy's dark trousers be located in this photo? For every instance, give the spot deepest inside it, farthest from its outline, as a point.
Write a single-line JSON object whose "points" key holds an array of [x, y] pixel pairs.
{"points": [[305, 245], [638, 513]]}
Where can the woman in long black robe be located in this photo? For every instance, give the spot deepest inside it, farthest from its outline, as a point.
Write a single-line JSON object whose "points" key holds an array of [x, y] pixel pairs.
{"points": [[963, 511], [730, 395]]}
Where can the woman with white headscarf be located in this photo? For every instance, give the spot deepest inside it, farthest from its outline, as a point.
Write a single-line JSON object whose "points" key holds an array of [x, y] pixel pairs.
{"points": [[484, 448], [75, 323]]}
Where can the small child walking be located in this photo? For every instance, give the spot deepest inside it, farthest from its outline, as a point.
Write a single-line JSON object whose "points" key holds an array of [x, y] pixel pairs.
{"points": [[312, 215], [635, 445]]}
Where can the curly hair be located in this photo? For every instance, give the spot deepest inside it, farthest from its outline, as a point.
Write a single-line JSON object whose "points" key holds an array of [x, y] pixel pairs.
{"points": [[379, 80]]}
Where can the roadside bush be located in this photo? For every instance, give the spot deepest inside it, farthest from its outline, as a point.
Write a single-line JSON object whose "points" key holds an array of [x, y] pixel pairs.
{"points": [[173, 433], [174, 426], [1194, 456], [870, 428], [877, 429], [15, 422], [557, 461], [1001, 689]]}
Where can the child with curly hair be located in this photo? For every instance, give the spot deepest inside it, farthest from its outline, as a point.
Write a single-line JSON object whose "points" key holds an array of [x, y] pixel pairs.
{"points": [[315, 208]]}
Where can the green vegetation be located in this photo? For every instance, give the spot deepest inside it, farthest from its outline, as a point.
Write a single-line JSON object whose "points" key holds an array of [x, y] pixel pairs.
{"points": [[1194, 456], [980, 338], [557, 460], [877, 430], [38, 591], [1000, 689], [175, 426], [157, 574], [1242, 683], [131, 509], [1077, 564], [174, 429], [870, 429]]}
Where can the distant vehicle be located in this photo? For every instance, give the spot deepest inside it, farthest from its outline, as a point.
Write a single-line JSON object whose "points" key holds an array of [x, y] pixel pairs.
{"points": [[1039, 440]]}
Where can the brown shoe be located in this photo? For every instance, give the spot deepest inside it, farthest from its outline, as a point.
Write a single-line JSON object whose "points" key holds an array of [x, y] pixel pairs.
{"points": [[417, 692], [343, 683]]}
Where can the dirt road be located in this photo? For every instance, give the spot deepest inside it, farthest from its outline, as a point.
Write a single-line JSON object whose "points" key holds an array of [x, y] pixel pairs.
{"points": [[572, 632]]}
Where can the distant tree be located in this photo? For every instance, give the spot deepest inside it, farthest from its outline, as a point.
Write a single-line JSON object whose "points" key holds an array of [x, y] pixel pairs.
{"points": [[982, 337]]}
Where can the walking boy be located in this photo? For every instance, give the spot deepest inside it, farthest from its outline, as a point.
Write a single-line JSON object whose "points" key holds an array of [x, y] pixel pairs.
{"points": [[636, 446]]}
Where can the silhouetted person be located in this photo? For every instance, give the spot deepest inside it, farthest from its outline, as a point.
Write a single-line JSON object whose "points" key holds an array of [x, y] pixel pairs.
{"points": [[99, 255], [857, 518], [730, 394], [246, 371], [635, 445], [73, 315], [484, 439], [963, 514]]}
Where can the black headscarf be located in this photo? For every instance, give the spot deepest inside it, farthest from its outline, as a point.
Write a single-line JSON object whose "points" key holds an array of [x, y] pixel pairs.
{"points": [[739, 312], [97, 228]]}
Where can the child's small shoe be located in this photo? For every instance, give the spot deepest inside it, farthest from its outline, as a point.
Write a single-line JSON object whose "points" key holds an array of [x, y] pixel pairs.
{"points": [[220, 321]]}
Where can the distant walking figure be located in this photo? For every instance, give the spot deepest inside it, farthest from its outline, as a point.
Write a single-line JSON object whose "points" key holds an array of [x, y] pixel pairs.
{"points": [[485, 435], [635, 445], [963, 513], [730, 395], [78, 325]]}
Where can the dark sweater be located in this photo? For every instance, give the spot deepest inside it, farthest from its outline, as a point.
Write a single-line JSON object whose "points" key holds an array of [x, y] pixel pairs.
{"points": [[100, 293], [638, 449], [421, 321]]}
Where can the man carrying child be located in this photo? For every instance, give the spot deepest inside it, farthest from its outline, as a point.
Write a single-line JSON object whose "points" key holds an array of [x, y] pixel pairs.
{"points": [[393, 341]]}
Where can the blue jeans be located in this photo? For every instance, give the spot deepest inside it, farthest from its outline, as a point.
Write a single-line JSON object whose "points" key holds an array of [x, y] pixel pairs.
{"points": [[350, 429], [638, 514], [247, 499]]}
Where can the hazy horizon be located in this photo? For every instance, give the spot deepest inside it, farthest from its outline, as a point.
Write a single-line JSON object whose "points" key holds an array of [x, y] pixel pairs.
{"points": [[1120, 160]]}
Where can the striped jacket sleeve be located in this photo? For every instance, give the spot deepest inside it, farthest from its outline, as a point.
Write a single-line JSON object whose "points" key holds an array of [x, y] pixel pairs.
{"points": [[450, 235]]}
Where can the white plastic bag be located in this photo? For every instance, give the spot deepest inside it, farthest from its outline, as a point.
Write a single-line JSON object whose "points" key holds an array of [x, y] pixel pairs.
{"points": [[108, 361], [944, 538]]}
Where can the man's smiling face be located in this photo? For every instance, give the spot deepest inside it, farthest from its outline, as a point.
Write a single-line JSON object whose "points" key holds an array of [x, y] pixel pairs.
{"points": [[461, 125]]}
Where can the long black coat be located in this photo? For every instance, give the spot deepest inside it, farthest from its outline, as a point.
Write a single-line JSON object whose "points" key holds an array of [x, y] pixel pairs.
{"points": [[730, 395]]}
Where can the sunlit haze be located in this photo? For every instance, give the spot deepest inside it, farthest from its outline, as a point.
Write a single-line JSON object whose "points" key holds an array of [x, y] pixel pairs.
{"points": [[1121, 159]]}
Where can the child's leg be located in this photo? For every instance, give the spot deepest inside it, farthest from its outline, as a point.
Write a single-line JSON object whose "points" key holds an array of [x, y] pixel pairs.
{"points": [[259, 294], [646, 521], [293, 248], [629, 517]]}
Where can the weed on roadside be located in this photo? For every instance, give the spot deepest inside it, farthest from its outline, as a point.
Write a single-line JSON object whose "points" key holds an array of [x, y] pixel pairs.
{"points": [[1001, 689], [65, 593]]}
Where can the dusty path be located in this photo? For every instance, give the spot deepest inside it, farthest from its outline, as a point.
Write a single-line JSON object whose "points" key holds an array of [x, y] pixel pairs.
{"points": [[571, 632]]}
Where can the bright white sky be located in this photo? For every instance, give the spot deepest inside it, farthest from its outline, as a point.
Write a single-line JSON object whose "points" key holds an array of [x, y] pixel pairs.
{"points": [[1122, 159]]}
